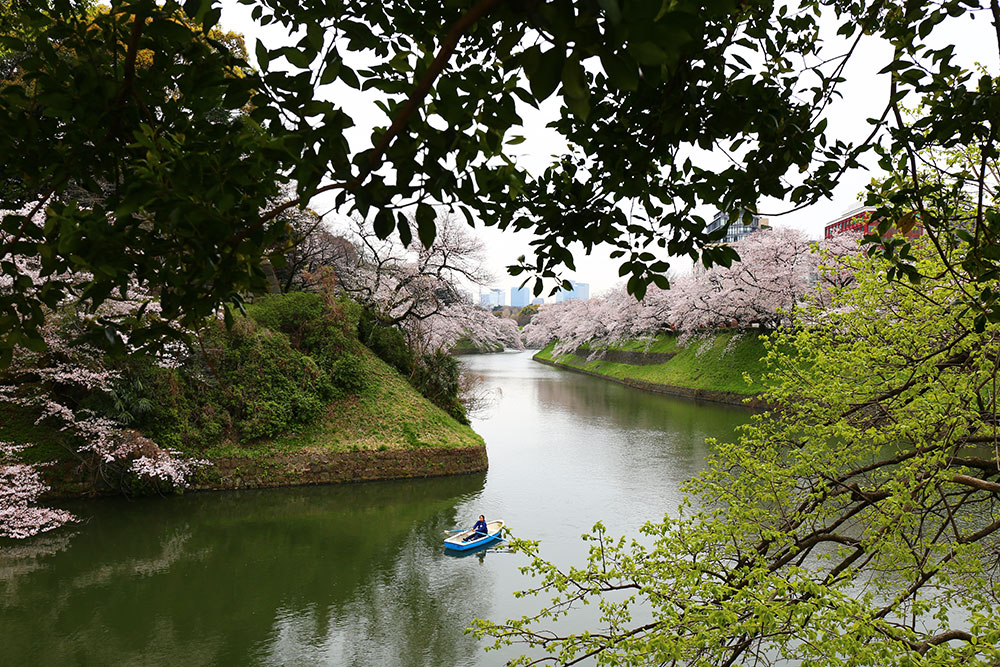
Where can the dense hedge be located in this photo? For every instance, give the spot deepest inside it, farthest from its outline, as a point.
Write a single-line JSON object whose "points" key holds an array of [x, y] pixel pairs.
{"points": [[387, 342], [437, 378]]}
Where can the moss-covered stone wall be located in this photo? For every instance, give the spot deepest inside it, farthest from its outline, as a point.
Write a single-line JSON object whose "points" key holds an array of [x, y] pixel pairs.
{"points": [[326, 467]]}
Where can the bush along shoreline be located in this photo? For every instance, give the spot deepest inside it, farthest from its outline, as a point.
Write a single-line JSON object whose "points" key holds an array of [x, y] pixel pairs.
{"points": [[288, 395], [719, 366]]}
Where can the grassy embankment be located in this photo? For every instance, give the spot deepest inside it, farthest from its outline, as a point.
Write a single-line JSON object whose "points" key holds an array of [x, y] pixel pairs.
{"points": [[312, 406], [389, 431], [712, 363], [389, 414]]}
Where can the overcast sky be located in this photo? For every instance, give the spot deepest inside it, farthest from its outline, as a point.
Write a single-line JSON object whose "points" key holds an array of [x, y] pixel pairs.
{"points": [[865, 93]]}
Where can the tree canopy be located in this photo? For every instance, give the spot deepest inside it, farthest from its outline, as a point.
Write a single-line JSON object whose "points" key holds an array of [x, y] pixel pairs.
{"points": [[164, 173]]}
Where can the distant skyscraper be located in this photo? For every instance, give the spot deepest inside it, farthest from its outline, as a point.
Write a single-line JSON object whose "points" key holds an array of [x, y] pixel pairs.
{"points": [[580, 291], [519, 296], [493, 298]]}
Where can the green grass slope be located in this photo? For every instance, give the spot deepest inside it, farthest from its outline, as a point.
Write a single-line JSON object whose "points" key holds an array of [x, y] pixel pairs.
{"points": [[389, 414], [714, 362]]}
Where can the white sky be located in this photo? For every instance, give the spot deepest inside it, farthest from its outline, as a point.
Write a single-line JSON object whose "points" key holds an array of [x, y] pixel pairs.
{"points": [[865, 94]]}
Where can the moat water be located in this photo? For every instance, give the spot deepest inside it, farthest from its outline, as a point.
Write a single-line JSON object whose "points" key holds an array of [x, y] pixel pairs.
{"points": [[355, 574]]}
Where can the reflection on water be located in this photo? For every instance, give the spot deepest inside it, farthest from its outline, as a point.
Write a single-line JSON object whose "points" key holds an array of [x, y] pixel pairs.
{"points": [[230, 578], [354, 574]]}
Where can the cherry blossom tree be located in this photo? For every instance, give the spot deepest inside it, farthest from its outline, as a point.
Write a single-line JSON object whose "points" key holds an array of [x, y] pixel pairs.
{"points": [[464, 320], [420, 289], [308, 247], [776, 270], [48, 381]]}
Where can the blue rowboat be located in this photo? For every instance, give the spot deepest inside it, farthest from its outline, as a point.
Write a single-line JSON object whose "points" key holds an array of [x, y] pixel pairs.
{"points": [[457, 542]]}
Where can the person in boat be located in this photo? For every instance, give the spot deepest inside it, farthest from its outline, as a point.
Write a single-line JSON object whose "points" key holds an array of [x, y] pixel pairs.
{"points": [[479, 530]]}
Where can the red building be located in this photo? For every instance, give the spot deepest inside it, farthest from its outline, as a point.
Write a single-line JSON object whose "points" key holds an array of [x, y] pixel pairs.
{"points": [[860, 220]]}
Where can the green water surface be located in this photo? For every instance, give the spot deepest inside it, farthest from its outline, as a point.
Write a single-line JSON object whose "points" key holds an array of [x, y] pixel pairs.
{"points": [[354, 574]]}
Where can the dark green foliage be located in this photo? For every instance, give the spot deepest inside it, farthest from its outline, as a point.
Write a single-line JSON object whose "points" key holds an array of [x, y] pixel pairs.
{"points": [[436, 377], [270, 387], [288, 313], [131, 405], [183, 412], [138, 97], [315, 325], [387, 342], [273, 372], [642, 85], [524, 315], [348, 374]]}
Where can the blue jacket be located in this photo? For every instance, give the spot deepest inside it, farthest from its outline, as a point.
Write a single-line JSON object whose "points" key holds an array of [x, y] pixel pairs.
{"points": [[480, 527]]}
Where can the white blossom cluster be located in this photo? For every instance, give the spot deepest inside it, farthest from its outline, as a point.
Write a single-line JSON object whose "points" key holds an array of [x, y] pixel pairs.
{"points": [[20, 487], [165, 468], [419, 289]]}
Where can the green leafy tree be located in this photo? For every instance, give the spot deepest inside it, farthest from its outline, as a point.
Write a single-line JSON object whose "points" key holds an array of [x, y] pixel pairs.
{"points": [[129, 159], [856, 522], [942, 181]]}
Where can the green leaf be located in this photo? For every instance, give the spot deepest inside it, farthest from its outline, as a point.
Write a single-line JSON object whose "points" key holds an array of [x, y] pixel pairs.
{"points": [[426, 229], [579, 107], [403, 226], [383, 224], [648, 53], [573, 79], [263, 55], [612, 9], [621, 73], [300, 58], [545, 75]]}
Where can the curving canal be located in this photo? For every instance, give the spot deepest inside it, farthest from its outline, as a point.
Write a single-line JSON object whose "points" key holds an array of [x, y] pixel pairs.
{"points": [[355, 575]]}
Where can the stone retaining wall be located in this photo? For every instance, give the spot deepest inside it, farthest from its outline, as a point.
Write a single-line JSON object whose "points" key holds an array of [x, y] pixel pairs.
{"points": [[68, 479], [312, 467], [727, 397]]}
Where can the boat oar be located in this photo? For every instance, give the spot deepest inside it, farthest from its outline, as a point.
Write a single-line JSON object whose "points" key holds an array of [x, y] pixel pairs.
{"points": [[457, 530]]}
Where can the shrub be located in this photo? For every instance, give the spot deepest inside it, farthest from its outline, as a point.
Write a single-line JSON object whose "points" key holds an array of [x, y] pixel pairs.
{"points": [[348, 373], [270, 386], [388, 343], [290, 313], [266, 418], [315, 325], [437, 378]]}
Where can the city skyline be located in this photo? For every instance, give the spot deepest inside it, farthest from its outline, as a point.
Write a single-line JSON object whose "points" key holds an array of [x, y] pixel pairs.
{"points": [[520, 297]]}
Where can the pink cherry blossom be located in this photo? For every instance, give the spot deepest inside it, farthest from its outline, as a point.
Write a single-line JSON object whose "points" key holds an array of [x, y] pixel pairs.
{"points": [[777, 270], [20, 487], [45, 382]]}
